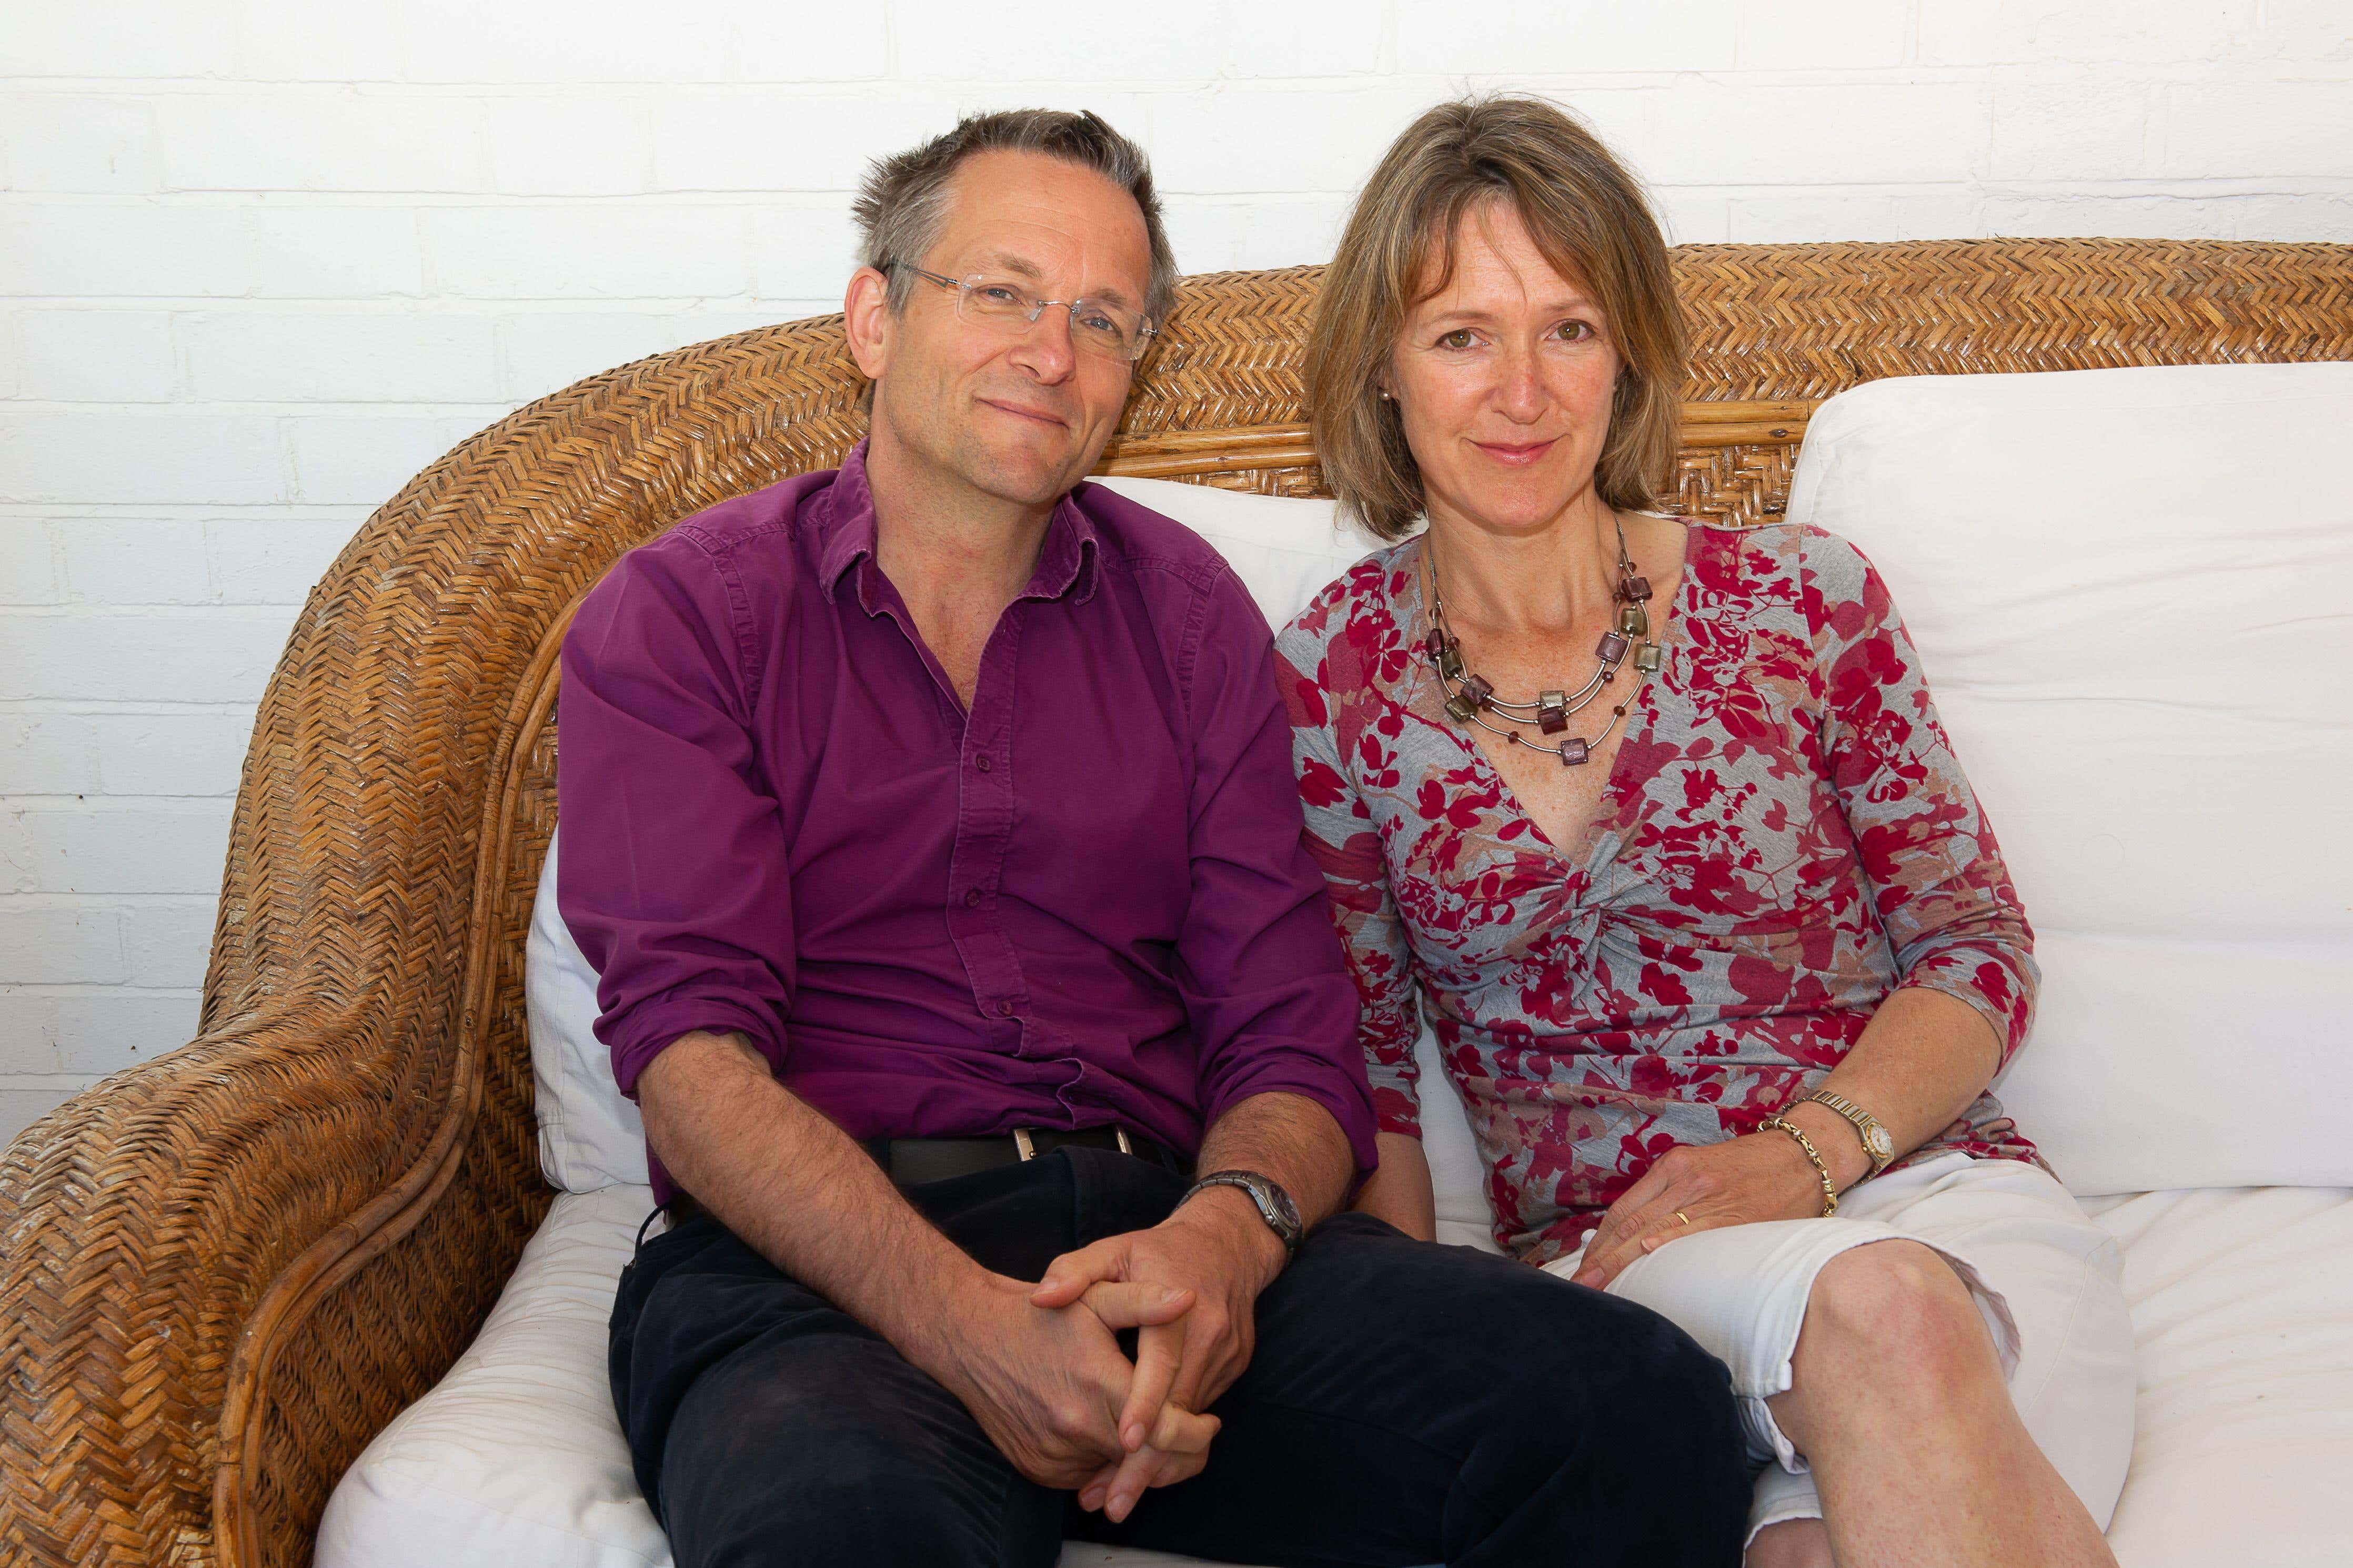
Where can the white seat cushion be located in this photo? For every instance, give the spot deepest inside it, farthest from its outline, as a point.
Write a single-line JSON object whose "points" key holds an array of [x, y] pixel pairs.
{"points": [[2242, 1304], [2243, 1310]]}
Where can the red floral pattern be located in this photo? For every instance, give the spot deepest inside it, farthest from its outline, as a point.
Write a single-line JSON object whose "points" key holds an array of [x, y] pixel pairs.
{"points": [[1786, 837]]}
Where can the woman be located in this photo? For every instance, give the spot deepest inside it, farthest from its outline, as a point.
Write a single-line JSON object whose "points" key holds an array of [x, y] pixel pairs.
{"points": [[1656, 818]]}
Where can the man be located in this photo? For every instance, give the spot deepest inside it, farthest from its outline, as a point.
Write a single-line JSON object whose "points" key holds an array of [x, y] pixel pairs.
{"points": [[926, 816]]}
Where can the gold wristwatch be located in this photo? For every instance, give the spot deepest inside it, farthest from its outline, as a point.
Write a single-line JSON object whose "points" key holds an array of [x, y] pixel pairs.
{"points": [[1876, 1143]]}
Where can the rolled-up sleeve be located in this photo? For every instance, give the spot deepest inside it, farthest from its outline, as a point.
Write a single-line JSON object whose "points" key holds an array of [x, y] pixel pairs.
{"points": [[1271, 1005], [1942, 893], [673, 878]]}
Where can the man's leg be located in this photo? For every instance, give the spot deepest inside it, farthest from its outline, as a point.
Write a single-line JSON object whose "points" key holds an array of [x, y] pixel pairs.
{"points": [[769, 1428], [1409, 1403]]}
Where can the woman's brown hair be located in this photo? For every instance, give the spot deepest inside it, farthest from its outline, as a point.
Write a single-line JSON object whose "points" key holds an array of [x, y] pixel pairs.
{"points": [[1588, 216]]}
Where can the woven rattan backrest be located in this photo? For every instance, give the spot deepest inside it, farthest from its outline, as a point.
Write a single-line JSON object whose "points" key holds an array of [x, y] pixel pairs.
{"points": [[399, 793]]}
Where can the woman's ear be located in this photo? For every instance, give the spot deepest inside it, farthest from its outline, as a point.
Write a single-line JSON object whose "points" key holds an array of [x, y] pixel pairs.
{"points": [[866, 320]]}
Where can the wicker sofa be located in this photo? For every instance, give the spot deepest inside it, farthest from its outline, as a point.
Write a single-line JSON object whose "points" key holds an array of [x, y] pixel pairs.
{"points": [[227, 1268]]}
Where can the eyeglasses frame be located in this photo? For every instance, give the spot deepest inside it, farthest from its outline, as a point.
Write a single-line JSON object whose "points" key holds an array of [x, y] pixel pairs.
{"points": [[1145, 332]]}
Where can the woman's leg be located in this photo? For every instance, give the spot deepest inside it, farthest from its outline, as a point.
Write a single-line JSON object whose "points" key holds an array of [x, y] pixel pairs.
{"points": [[1900, 1408]]}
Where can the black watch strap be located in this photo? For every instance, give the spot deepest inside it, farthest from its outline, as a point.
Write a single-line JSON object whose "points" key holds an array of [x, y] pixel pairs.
{"points": [[1274, 1204]]}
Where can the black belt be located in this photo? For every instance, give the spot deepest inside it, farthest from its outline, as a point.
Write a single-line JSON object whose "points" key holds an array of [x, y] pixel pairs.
{"points": [[914, 1161]]}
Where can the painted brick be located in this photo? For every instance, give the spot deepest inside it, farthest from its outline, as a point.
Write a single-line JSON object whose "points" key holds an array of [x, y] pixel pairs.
{"points": [[2107, 217], [61, 142], [1799, 216], [295, 40], [777, 140], [216, 655], [541, 351], [79, 1030], [191, 752], [1848, 133], [2069, 125], [152, 847], [1239, 139], [2260, 130], [86, 251], [804, 251], [115, 560], [1563, 37], [49, 753], [321, 140], [273, 560], [1820, 35], [807, 43], [1214, 237], [570, 146], [1303, 38], [614, 251], [30, 573], [96, 356], [103, 457], [561, 41], [61, 942], [1994, 32], [114, 38], [336, 253], [167, 941], [336, 357], [364, 459], [2267, 216], [1054, 41]]}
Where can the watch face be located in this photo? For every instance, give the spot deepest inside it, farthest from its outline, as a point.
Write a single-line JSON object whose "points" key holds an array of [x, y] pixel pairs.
{"points": [[1878, 1142]]}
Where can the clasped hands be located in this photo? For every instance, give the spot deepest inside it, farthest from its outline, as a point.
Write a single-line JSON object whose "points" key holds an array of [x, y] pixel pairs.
{"points": [[1040, 1369]]}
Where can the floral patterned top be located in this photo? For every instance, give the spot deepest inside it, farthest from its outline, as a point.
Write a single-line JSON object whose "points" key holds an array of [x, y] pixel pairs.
{"points": [[1784, 838]]}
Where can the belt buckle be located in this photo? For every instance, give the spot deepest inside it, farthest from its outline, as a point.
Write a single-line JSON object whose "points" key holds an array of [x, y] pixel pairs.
{"points": [[1022, 1142], [1125, 1146]]}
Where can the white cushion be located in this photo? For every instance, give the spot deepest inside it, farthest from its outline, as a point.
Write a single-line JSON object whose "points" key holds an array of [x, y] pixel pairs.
{"points": [[590, 1137], [2129, 588], [2245, 1433], [2243, 1447]]}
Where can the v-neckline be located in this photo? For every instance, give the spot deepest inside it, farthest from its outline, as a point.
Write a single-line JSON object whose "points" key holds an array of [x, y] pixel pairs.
{"points": [[1407, 616]]}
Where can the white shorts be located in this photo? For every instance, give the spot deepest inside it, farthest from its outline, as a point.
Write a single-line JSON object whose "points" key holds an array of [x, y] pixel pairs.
{"points": [[2045, 1278]]}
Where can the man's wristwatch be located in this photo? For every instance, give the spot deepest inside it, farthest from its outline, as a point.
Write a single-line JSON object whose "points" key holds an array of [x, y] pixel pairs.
{"points": [[1274, 1204], [1876, 1143]]}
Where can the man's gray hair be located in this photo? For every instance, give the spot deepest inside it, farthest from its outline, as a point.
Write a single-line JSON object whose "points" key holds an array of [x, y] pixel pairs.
{"points": [[904, 202]]}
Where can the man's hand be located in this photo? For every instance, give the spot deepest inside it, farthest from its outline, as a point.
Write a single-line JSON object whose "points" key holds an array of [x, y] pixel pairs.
{"points": [[1047, 1384], [1217, 1247]]}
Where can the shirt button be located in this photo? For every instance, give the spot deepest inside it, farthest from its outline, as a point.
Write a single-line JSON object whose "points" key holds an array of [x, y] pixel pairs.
{"points": [[981, 761], [972, 898], [1005, 1008]]}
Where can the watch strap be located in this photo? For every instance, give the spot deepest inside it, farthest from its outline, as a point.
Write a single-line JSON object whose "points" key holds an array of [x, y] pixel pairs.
{"points": [[1865, 1124], [1273, 1204]]}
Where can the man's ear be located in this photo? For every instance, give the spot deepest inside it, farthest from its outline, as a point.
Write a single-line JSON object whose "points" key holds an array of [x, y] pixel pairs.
{"points": [[866, 316]]}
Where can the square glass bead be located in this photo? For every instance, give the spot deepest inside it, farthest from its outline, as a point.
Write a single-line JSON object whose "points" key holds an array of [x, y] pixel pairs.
{"points": [[1476, 689], [1610, 649], [1552, 712], [1634, 621], [1459, 709], [1450, 663], [1574, 753], [1634, 589], [1646, 657]]}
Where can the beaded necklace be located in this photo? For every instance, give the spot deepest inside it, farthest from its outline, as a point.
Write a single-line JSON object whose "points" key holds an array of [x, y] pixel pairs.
{"points": [[1470, 698]]}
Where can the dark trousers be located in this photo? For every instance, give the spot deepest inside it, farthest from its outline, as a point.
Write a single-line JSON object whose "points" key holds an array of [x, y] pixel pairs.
{"points": [[1407, 1402]]}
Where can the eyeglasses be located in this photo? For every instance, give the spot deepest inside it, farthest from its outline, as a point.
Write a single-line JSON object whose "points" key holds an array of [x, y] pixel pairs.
{"points": [[1112, 331]]}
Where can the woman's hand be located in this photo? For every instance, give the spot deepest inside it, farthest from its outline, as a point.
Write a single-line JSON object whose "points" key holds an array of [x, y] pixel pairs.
{"points": [[1764, 1175]]}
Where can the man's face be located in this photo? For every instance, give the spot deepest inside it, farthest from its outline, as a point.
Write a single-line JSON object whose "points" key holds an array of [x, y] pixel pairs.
{"points": [[1020, 413]]}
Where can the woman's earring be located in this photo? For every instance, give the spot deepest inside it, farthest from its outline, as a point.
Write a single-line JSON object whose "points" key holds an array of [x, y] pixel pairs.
{"points": [[1385, 394]]}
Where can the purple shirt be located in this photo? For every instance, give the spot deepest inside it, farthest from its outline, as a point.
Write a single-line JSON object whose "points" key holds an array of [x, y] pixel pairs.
{"points": [[1085, 903]]}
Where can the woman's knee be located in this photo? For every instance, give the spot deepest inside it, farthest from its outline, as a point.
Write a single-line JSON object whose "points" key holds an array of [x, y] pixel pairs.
{"points": [[1897, 1308]]}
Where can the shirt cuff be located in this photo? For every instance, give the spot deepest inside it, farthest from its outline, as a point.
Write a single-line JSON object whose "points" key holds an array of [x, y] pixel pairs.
{"points": [[1349, 1102], [643, 1033]]}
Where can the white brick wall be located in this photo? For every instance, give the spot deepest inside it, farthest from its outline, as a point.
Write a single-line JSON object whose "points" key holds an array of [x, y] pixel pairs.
{"points": [[262, 260]]}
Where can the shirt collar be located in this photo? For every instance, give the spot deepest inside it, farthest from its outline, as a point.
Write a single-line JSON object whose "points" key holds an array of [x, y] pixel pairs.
{"points": [[1066, 564]]}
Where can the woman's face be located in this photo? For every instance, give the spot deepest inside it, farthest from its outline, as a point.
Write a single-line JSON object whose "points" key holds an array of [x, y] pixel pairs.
{"points": [[1503, 380]]}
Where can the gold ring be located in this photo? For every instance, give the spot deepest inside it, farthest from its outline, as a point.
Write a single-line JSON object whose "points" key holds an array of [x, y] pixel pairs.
{"points": [[1682, 1216]]}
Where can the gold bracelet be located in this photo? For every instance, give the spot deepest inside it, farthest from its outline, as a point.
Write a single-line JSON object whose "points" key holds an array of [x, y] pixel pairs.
{"points": [[1829, 1188]]}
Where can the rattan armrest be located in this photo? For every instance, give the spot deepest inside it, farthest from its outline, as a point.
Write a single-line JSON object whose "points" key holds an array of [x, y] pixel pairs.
{"points": [[158, 1227]]}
